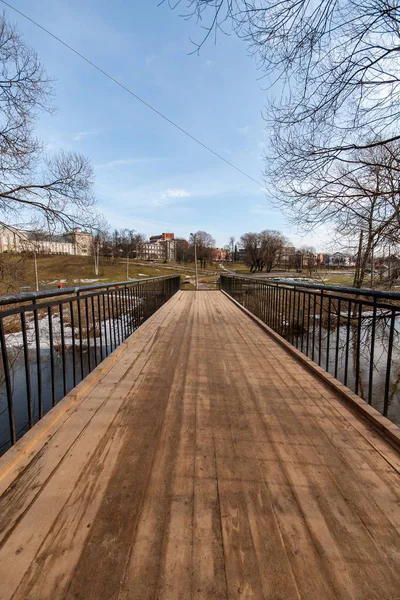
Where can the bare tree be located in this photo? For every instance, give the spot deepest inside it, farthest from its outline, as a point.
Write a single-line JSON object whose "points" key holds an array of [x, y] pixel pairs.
{"points": [[10, 271], [363, 196], [122, 243], [263, 250], [231, 248], [251, 244], [272, 246], [337, 70], [204, 245], [54, 192], [182, 247]]}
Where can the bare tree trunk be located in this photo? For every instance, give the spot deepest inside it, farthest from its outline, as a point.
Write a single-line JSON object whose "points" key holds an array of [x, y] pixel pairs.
{"points": [[357, 275]]}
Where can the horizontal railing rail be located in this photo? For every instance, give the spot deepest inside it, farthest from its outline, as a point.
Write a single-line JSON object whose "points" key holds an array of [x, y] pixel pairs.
{"points": [[352, 333], [50, 341], [31, 296]]}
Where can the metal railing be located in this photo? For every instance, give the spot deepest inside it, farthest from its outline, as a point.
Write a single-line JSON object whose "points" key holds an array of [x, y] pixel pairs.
{"points": [[353, 334], [49, 341]]}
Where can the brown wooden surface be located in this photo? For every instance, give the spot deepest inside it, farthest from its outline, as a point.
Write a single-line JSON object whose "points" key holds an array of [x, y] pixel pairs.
{"points": [[205, 462]]}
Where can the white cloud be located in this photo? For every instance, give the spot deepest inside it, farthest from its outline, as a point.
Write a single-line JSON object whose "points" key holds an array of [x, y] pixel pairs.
{"points": [[208, 63], [80, 135], [122, 162], [144, 197], [244, 130], [173, 193]]}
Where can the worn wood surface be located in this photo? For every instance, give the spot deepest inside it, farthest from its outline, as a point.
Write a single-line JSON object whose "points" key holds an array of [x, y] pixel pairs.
{"points": [[204, 463]]}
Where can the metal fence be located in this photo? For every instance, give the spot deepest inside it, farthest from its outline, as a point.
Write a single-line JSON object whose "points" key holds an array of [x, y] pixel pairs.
{"points": [[353, 334], [49, 341]]}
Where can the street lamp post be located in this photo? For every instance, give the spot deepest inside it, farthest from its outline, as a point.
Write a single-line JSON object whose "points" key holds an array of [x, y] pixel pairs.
{"points": [[195, 261], [36, 271]]}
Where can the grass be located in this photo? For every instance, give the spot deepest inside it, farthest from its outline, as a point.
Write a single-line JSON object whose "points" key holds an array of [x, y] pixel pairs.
{"points": [[74, 270], [345, 279], [79, 270]]}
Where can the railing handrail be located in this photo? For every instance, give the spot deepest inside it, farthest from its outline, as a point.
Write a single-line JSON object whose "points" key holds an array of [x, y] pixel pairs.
{"points": [[335, 326], [55, 338], [328, 288], [27, 296]]}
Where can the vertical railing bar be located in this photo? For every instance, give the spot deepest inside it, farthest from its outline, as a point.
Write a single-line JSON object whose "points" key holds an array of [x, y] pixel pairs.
{"points": [[7, 379], [302, 320], [27, 370], [346, 363], [129, 310], [277, 294], [52, 370], [78, 302], [283, 320], [99, 322], [313, 332], [372, 352], [389, 364], [357, 382], [308, 323], [94, 331], [106, 321], [122, 313], [328, 336], [297, 317], [64, 362], [88, 334], [122, 305], [126, 311], [110, 318], [321, 309], [339, 311], [135, 307], [117, 316], [71, 310], [38, 360], [113, 308]]}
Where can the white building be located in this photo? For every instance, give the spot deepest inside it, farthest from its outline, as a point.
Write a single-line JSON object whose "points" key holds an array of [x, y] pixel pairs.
{"points": [[160, 247], [339, 259], [76, 243], [149, 251]]}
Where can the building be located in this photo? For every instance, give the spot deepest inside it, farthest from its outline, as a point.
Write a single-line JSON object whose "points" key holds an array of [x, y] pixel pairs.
{"points": [[339, 259], [159, 247], [154, 239], [76, 243], [220, 254]]}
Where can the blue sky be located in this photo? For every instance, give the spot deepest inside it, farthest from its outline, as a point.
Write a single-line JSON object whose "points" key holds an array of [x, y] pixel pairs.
{"points": [[149, 176]]}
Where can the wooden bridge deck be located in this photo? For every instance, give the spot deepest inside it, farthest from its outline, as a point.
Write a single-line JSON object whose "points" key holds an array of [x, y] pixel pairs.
{"points": [[203, 461]]}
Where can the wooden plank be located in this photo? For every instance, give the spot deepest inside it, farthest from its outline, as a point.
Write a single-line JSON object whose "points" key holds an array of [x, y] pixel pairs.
{"points": [[205, 463], [61, 473]]}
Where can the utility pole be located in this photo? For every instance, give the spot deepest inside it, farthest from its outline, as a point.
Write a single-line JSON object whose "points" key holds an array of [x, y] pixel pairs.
{"points": [[36, 272], [127, 266]]}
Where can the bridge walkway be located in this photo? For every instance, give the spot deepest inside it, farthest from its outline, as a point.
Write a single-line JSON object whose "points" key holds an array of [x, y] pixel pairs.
{"points": [[201, 460]]}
